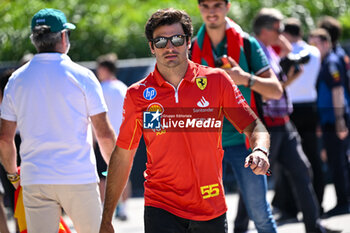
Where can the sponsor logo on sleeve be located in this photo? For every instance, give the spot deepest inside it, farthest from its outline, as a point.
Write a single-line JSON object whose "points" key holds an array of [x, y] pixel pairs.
{"points": [[334, 72]]}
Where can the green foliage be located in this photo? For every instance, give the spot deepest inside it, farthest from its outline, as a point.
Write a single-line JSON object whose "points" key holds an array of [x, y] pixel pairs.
{"points": [[118, 26]]}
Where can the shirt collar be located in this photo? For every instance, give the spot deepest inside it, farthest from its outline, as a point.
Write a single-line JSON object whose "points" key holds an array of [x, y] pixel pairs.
{"points": [[51, 56], [190, 75]]}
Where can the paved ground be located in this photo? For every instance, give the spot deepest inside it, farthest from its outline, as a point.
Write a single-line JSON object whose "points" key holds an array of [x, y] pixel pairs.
{"points": [[134, 224]]}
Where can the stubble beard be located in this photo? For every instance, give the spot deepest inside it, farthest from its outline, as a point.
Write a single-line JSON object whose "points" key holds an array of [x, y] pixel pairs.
{"points": [[213, 26]]}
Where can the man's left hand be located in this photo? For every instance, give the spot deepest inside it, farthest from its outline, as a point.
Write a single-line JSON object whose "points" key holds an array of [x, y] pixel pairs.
{"points": [[258, 162]]}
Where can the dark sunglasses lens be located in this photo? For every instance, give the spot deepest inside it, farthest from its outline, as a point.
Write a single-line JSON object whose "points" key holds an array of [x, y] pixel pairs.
{"points": [[177, 40], [160, 42]]}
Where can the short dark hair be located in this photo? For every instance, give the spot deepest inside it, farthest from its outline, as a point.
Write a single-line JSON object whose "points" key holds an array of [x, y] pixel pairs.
{"points": [[168, 16], [44, 40], [108, 61], [200, 1], [321, 33], [332, 26], [292, 26], [265, 19]]}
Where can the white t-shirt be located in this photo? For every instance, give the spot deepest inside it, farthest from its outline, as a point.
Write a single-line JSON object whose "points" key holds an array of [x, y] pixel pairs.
{"points": [[2, 191], [51, 98], [114, 93], [303, 89]]}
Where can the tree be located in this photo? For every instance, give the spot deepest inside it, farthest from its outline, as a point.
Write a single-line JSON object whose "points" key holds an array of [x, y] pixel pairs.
{"points": [[118, 26]]}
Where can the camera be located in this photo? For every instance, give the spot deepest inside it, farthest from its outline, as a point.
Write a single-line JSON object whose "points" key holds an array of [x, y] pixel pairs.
{"points": [[222, 62], [294, 60]]}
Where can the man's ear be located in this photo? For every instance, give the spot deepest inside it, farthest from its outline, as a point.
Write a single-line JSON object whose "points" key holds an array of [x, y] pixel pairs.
{"points": [[63, 42], [189, 42], [228, 6], [151, 47]]}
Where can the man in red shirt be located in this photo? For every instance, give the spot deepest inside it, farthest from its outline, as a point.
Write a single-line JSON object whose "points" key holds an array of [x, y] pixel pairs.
{"points": [[179, 110]]}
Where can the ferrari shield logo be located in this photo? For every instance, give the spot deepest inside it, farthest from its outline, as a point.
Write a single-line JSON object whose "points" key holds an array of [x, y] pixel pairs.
{"points": [[201, 82]]}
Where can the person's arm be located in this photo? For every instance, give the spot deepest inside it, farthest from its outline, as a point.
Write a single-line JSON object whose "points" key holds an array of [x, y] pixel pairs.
{"points": [[104, 134], [265, 83], [117, 177], [338, 105], [242, 117], [8, 154], [259, 141]]}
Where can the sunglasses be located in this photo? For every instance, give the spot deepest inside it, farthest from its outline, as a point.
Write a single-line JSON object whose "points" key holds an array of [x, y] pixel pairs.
{"points": [[176, 40]]}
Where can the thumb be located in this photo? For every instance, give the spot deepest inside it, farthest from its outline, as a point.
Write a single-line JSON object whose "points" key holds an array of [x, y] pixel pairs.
{"points": [[247, 161], [232, 61]]}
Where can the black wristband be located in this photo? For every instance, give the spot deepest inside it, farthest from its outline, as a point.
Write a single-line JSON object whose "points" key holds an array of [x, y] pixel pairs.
{"points": [[251, 81]]}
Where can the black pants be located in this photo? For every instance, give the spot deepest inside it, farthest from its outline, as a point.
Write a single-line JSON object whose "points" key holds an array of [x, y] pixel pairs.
{"points": [[286, 150], [304, 118], [160, 221]]}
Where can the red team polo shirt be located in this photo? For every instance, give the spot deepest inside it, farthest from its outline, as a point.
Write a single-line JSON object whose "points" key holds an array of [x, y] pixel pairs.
{"points": [[184, 156]]}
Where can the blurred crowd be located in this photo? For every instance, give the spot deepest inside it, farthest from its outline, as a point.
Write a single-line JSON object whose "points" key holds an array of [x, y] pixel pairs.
{"points": [[308, 118]]}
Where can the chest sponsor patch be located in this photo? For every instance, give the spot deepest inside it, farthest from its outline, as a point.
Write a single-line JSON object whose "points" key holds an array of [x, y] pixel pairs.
{"points": [[203, 103], [149, 93], [201, 82]]}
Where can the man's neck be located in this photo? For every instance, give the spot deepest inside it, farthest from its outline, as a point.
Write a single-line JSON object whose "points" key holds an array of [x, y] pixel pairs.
{"points": [[216, 35], [173, 75], [108, 79], [262, 40], [325, 54]]}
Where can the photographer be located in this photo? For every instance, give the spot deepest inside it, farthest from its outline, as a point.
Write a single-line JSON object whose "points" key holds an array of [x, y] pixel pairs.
{"points": [[285, 143], [303, 96]]}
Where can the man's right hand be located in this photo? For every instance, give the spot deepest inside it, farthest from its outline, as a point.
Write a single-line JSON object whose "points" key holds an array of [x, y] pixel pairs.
{"points": [[341, 129]]}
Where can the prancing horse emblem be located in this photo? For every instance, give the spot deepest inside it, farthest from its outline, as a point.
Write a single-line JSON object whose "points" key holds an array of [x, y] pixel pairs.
{"points": [[201, 82]]}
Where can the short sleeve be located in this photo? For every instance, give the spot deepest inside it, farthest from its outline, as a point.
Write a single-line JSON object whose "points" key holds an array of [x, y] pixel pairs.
{"points": [[258, 58], [235, 107], [94, 96], [130, 130], [8, 111], [334, 79]]}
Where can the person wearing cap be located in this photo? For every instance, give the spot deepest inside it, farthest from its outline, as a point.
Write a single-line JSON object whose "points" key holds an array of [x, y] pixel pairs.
{"points": [[55, 103], [219, 36]]}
